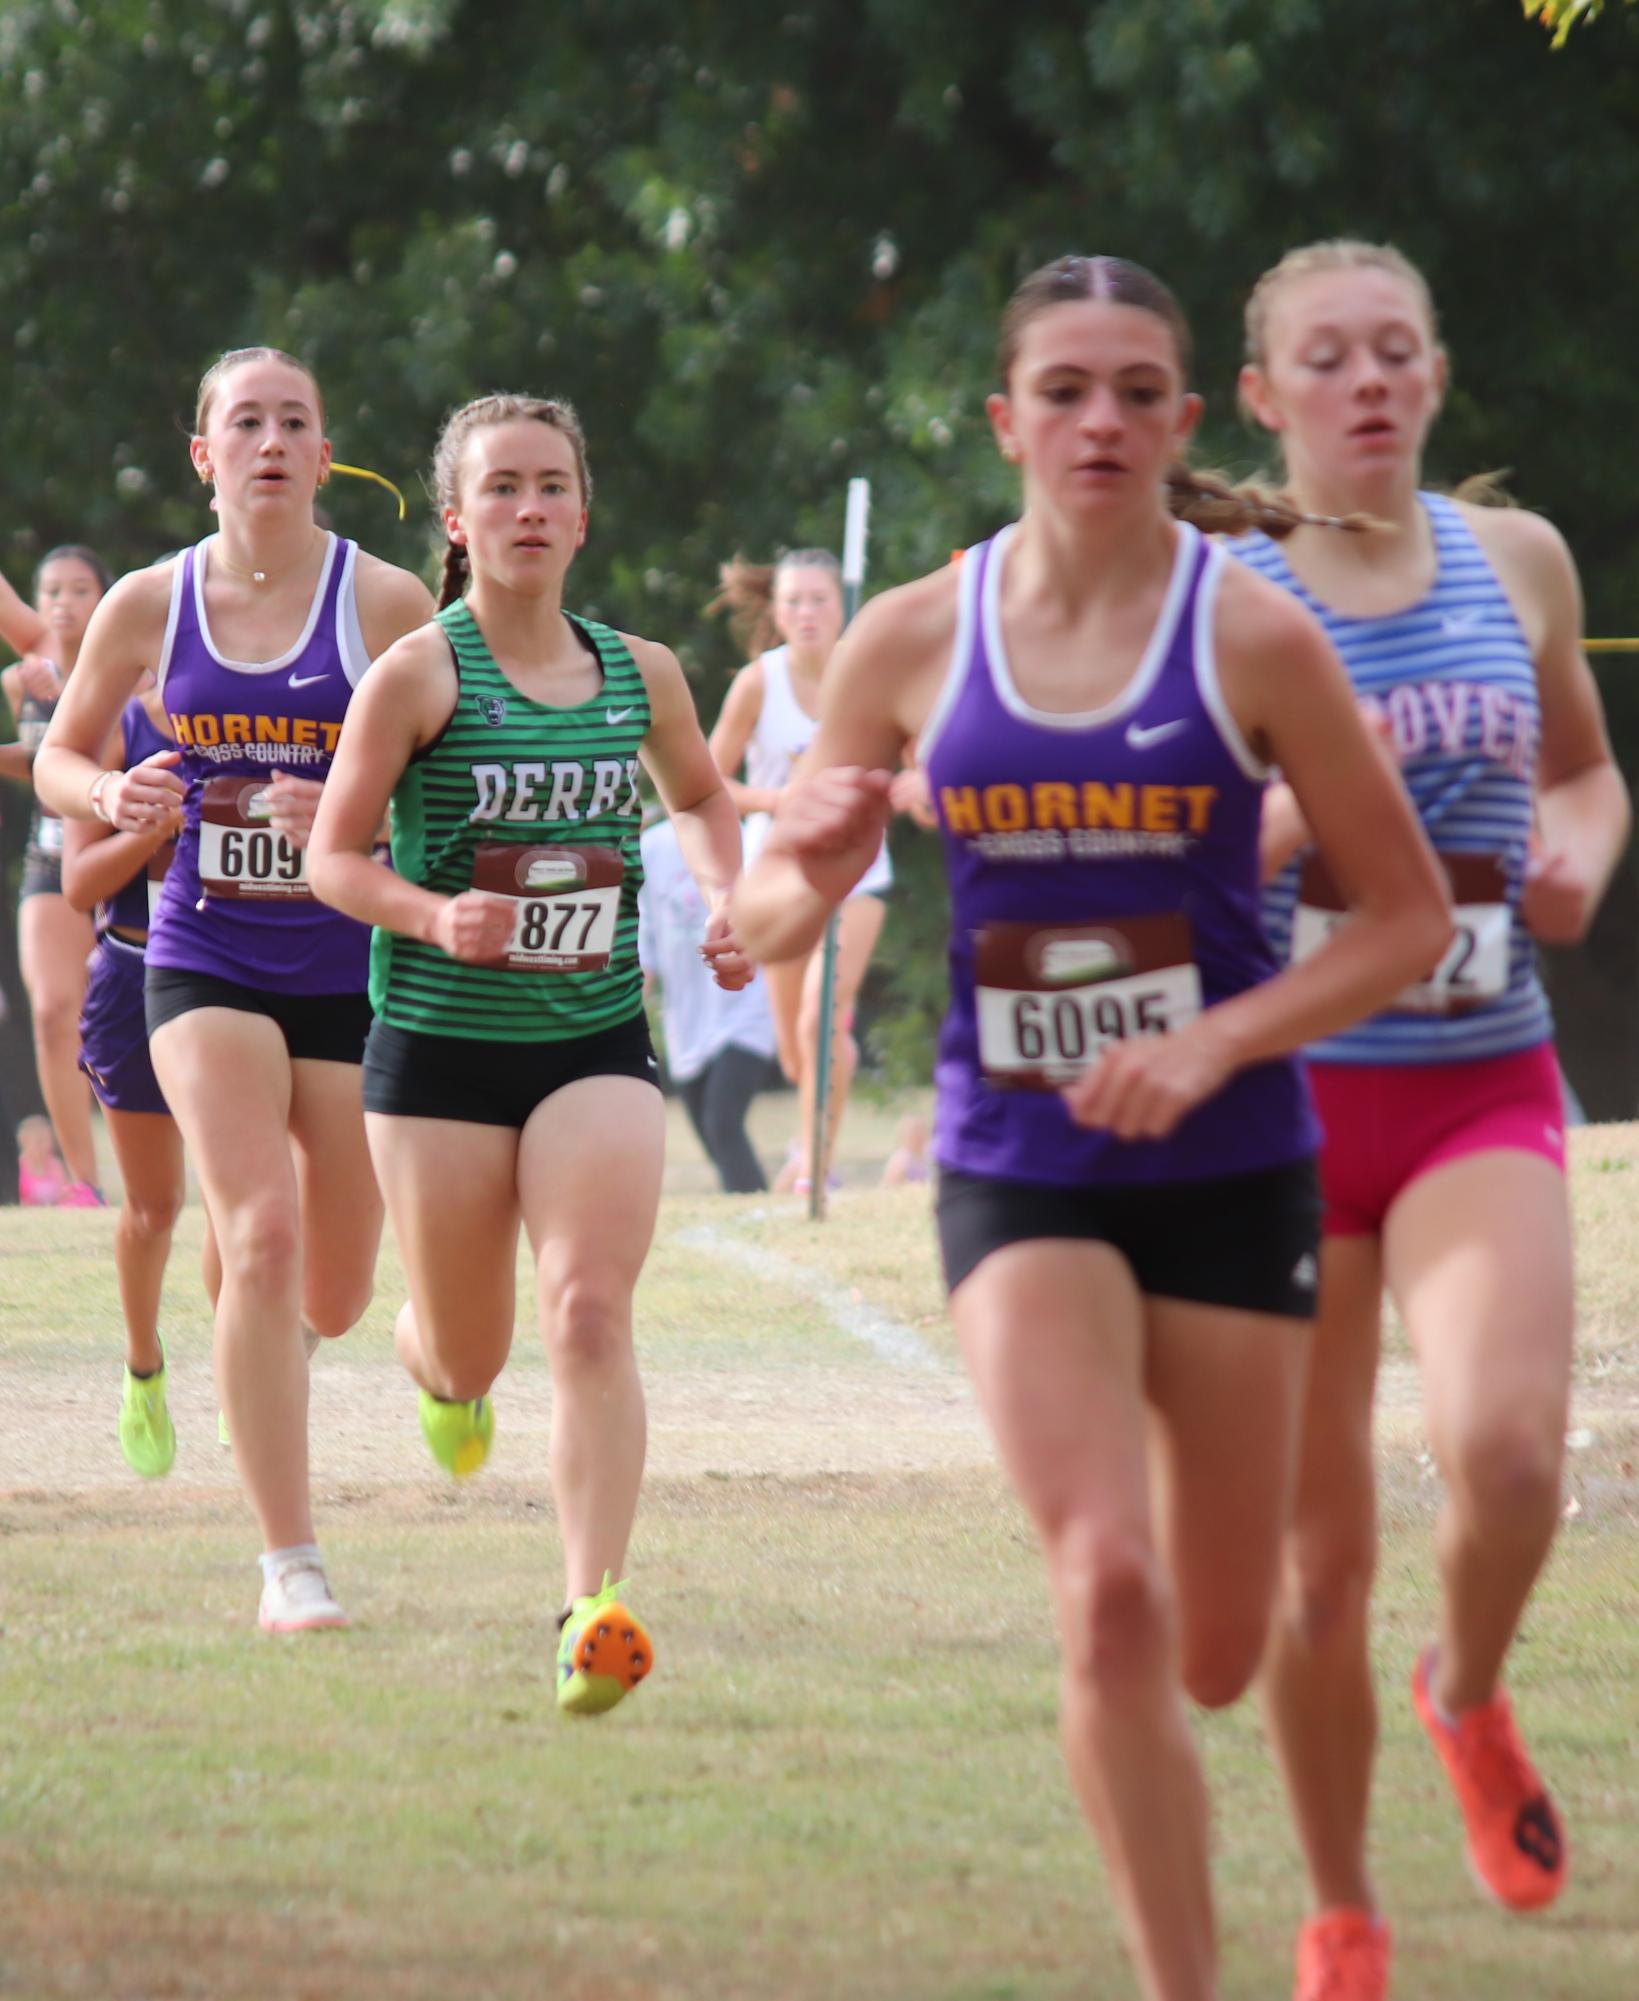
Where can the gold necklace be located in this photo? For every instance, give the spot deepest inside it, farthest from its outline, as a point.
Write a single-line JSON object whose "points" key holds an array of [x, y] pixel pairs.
{"points": [[265, 576]]}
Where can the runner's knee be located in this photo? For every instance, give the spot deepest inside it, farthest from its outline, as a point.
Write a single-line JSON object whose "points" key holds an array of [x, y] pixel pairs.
{"points": [[261, 1246], [1115, 1610], [1509, 1472], [56, 1019], [588, 1321], [1326, 1585], [147, 1218]]}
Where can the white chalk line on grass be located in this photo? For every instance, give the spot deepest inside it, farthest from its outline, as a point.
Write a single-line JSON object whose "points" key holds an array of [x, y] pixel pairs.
{"points": [[888, 1339]]}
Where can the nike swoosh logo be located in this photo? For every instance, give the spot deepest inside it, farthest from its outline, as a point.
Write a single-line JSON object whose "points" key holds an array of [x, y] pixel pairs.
{"points": [[1462, 621], [617, 715], [1140, 738], [306, 680]]}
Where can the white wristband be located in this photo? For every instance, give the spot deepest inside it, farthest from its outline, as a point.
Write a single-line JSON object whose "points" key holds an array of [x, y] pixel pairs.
{"points": [[95, 797]]}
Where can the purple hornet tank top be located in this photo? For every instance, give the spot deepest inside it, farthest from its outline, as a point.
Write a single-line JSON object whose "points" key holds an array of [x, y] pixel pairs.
{"points": [[236, 903], [1103, 872]]}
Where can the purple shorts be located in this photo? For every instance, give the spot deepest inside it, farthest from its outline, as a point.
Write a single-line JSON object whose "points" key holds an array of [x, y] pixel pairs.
{"points": [[114, 1031]]}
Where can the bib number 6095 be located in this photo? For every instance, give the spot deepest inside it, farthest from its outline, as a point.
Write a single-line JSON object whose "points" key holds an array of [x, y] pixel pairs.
{"points": [[1065, 1028]]}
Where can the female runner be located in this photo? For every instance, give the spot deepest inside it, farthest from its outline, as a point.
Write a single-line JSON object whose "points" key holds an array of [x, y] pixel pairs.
{"points": [[509, 1073], [792, 615], [1127, 1206], [1443, 1163], [119, 877], [55, 938], [256, 1001]]}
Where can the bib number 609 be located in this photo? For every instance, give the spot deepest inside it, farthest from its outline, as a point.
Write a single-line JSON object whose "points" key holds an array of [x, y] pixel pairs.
{"points": [[257, 855]]}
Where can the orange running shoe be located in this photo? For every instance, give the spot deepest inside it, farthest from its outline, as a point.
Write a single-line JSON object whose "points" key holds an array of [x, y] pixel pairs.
{"points": [[1516, 1851], [1343, 1955]]}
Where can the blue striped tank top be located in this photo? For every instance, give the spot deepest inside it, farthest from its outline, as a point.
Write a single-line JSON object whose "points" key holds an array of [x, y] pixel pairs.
{"points": [[1455, 679]]}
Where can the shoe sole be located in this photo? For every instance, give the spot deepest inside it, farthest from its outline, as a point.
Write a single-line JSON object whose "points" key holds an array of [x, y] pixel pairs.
{"points": [[149, 1472], [468, 1456], [1514, 1907], [612, 1655], [321, 1625]]}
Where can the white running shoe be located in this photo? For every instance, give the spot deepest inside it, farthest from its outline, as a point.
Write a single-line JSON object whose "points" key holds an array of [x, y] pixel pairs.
{"points": [[296, 1599]]}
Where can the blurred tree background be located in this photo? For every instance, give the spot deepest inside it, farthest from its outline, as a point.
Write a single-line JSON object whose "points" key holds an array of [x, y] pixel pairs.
{"points": [[764, 248]]}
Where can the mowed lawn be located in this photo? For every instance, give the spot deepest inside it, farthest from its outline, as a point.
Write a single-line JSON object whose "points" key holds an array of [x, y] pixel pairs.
{"points": [[842, 1780]]}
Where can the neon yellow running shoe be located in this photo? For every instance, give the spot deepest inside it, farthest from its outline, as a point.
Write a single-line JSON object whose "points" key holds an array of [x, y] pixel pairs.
{"points": [[147, 1436], [603, 1653], [458, 1435]]}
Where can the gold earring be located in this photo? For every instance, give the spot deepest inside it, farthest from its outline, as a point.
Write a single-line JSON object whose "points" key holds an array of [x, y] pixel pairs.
{"points": [[205, 475], [324, 477]]}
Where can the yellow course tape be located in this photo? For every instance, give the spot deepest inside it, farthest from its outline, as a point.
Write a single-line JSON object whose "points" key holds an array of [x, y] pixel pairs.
{"points": [[379, 479]]}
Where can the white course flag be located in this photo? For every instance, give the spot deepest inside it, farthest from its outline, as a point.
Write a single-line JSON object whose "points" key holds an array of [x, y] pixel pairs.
{"points": [[854, 531], [856, 525]]}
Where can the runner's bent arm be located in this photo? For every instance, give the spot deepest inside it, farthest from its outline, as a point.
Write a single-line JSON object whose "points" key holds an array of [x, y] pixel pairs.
{"points": [[21, 626], [401, 704], [676, 756], [1582, 802], [124, 638], [731, 736], [98, 860]]}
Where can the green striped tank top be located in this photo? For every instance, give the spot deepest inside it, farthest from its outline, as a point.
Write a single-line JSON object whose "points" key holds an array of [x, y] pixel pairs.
{"points": [[541, 804]]}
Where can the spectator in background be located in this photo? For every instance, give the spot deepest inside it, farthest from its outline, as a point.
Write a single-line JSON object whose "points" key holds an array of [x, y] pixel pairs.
{"points": [[909, 1160], [719, 1045], [790, 616], [42, 1180]]}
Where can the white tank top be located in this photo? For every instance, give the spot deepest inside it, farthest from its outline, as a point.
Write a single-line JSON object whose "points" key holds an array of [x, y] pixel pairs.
{"points": [[784, 731]]}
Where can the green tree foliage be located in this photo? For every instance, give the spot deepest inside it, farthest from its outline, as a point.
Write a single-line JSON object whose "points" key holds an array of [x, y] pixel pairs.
{"points": [[764, 249]]}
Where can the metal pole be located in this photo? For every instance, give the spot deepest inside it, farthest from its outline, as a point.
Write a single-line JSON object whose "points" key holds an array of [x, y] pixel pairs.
{"points": [[819, 1150]]}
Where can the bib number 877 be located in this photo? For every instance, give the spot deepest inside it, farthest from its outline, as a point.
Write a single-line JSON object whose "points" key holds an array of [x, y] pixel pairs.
{"points": [[554, 927]]}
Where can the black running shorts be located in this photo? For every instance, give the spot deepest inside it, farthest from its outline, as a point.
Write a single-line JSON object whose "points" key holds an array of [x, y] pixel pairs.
{"points": [[317, 1028], [415, 1076], [1249, 1241]]}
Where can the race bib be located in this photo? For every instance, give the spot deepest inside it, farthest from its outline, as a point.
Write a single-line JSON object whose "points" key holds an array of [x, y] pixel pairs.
{"points": [[1051, 997], [48, 835], [1474, 967], [240, 854], [568, 903]]}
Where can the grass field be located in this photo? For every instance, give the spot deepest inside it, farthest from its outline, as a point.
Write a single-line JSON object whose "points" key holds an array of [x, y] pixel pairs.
{"points": [[842, 1781]]}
